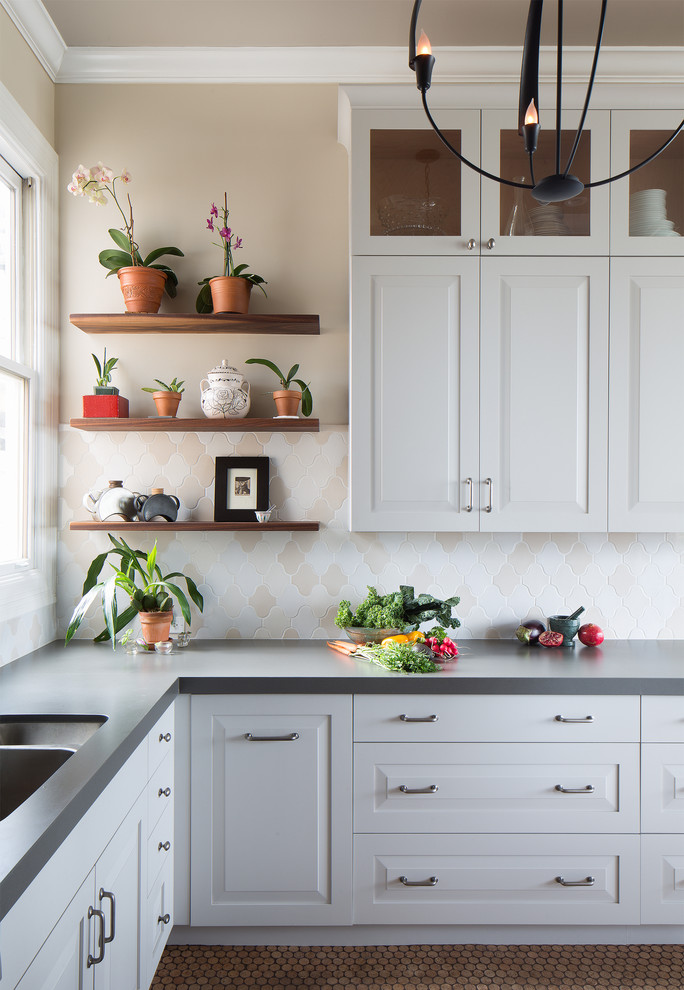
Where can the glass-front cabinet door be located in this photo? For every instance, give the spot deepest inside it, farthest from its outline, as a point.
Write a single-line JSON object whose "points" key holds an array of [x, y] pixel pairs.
{"points": [[647, 207], [513, 223], [410, 195]]}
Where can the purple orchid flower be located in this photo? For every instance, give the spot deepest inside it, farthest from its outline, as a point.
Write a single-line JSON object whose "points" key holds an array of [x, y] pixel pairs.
{"points": [[210, 224], [238, 243], [225, 233], [213, 211]]}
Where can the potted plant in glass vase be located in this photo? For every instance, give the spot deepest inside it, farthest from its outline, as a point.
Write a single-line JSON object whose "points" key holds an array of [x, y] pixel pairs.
{"points": [[166, 397], [142, 282], [229, 292], [287, 399]]}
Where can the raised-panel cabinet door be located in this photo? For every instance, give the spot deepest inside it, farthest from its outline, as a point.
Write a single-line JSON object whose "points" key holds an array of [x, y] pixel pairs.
{"points": [[414, 359], [646, 395], [543, 395], [271, 810]]}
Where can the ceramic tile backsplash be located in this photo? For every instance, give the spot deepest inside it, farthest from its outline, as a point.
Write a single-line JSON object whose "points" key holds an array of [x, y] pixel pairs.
{"points": [[283, 585]]}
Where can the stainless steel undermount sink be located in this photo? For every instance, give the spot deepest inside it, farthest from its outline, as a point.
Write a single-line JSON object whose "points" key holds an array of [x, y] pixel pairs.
{"points": [[48, 731]]}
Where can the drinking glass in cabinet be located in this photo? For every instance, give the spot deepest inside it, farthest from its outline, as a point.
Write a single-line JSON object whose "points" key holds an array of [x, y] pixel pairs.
{"points": [[656, 192]]}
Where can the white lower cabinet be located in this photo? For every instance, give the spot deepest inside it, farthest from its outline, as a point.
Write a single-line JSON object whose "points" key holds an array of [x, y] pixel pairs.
{"points": [[662, 879], [271, 810]]}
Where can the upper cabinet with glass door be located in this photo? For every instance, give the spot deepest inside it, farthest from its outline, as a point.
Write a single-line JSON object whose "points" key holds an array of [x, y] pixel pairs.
{"points": [[513, 223], [410, 195], [647, 208]]}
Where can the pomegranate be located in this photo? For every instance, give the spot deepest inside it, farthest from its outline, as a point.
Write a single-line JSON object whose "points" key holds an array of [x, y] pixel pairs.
{"points": [[551, 639], [590, 634], [529, 632]]}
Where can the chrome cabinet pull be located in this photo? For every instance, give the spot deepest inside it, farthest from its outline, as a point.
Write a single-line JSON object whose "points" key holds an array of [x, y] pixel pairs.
{"points": [[164, 845], [430, 882], [562, 718], [431, 789], [94, 960], [491, 244], [589, 789], [112, 912], [471, 244], [290, 737], [163, 919], [587, 882], [426, 718], [164, 792], [490, 494], [469, 503], [164, 737]]}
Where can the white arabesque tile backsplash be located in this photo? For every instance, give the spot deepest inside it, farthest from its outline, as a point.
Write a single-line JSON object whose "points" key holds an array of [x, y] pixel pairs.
{"points": [[288, 585]]}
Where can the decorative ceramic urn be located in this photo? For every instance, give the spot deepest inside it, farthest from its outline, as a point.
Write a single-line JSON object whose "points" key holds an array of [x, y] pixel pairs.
{"points": [[225, 393]]}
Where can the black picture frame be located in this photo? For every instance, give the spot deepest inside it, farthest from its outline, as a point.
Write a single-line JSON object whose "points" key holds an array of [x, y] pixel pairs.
{"points": [[230, 503]]}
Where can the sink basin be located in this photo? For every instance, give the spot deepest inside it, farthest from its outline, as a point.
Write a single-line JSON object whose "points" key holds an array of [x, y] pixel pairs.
{"points": [[23, 769], [69, 731]]}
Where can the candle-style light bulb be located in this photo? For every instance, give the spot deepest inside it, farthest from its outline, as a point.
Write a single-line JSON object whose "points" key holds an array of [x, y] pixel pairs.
{"points": [[423, 62], [424, 47], [531, 115], [531, 128]]}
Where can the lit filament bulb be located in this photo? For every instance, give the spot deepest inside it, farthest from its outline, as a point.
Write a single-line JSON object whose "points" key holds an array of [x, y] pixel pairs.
{"points": [[531, 115], [424, 46]]}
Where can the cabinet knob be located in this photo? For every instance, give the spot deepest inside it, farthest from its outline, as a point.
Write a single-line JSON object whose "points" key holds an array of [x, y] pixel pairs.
{"points": [[164, 737], [471, 244], [164, 845], [163, 919], [491, 244], [164, 792]]}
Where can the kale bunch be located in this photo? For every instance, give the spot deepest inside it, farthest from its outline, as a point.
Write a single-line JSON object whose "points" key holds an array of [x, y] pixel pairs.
{"points": [[397, 610], [426, 607]]}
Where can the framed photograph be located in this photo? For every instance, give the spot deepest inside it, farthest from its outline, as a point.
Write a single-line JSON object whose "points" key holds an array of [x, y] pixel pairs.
{"points": [[241, 488]]}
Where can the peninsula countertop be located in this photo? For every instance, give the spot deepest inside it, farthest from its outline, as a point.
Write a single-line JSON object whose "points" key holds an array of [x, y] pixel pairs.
{"points": [[133, 692]]}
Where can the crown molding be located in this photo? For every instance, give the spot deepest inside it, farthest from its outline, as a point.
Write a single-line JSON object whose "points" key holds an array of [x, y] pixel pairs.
{"points": [[39, 32], [358, 65]]}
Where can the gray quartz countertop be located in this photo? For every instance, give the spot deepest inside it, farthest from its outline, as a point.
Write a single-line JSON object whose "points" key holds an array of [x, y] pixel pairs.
{"points": [[134, 691]]}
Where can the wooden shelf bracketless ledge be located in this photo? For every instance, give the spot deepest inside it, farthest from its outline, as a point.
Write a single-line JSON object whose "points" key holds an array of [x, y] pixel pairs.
{"points": [[171, 424], [195, 526], [195, 323]]}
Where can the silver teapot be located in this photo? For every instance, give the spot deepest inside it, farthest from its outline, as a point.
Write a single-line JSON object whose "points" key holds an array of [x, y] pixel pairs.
{"points": [[225, 393], [115, 502]]}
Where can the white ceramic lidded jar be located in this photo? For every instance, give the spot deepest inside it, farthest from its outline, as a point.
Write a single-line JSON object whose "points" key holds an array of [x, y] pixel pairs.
{"points": [[225, 393], [115, 502]]}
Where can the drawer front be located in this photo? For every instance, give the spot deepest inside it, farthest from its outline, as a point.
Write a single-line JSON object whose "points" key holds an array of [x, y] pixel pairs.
{"points": [[160, 849], [662, 719], [662, 787], [492, 787], [495, 718], [472, 879], [159, 909], [160, 791], [662, 879], [160, 741]]}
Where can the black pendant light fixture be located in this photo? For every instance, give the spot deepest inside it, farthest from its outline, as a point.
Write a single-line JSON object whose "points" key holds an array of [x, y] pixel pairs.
{"points": [[562, 185]]}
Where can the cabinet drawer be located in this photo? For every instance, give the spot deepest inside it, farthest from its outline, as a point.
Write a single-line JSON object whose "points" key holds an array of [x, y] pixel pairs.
{"points": [[158, 799], [662, 719], [160, 847], [492, 787], [662, 879], [473, 879], [495, 718], [160, 741], [662, 787]]}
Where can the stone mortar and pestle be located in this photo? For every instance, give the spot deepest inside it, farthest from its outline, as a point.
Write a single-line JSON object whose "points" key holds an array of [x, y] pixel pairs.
{"points": [[568, 625]]}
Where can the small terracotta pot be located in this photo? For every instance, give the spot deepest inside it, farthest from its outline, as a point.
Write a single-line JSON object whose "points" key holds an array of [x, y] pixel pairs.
{"points": [[230, 294], [287, 402], [156, 626], [142, 288], [167, 402]]}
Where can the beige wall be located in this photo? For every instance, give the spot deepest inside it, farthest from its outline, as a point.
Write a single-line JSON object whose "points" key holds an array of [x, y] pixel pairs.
{"points": [[26, 79], [274, 150]]}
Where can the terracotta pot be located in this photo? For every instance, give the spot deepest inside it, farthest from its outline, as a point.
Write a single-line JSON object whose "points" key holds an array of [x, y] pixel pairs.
{"points": [[142, 288], [156, 626], [230, 294], [287, 402], [166, 402]]}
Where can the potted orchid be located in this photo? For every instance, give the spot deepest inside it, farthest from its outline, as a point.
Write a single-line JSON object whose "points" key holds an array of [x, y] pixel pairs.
{"points": [[142, 282], [230, 292]]}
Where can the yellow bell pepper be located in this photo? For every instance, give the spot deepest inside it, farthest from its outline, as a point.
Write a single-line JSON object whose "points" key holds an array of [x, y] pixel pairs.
{"points": [[400, 638], [416, 637]]}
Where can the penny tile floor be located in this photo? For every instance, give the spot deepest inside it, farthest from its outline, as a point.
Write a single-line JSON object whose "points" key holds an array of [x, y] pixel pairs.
{"points": [[424, 967]]}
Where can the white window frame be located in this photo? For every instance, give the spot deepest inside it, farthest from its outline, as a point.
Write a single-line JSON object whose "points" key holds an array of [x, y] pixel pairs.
{"points": [[32, 585]]}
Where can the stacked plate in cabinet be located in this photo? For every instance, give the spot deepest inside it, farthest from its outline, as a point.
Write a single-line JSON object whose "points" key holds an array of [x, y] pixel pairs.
{"points": [[549, 221], [648, 215]]}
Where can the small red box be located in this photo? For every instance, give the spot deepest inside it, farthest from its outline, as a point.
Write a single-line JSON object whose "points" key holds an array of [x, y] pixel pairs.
{"points": [[105, 406]]}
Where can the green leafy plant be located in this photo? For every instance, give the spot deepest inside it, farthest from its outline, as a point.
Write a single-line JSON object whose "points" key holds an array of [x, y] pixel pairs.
{"points": [[286, 381], [399, 656], [175, 386], [140, 577], [217, 222], [398, 610], [104, 370]]}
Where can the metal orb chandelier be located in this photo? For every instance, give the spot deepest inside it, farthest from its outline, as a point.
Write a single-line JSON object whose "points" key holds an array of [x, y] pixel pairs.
{"points": [[562, 185]]}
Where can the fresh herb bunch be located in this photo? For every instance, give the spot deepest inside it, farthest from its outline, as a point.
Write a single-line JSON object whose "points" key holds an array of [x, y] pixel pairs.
{"points": [[400, 656], [399, 610]]}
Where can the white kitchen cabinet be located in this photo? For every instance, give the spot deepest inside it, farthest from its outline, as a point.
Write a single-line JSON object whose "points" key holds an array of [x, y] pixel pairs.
{"points": [[662, 879], [646, 395], [662, 787], [271, 810]]}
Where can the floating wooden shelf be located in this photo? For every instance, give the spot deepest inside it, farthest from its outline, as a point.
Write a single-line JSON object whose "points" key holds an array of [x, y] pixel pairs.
{"points": [[171, 424], [195, 526], [195, 323]]}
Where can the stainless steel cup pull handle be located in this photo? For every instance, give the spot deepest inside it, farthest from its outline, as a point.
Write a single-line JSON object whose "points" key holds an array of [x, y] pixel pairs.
{"points": [[490, 494], [164, 845], [589, 789], [290, 737], [424, 718], [471, 244], [431, 789], [94, 960], [164, 737], [164, 792], [112, 914], [469, 503], [163, 919], [430, 882], [562, 718], [587, 882]]}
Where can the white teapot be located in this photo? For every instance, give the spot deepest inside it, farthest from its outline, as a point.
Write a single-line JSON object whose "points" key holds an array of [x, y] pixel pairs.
{"points": [[225, 393], [115, 502]]}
